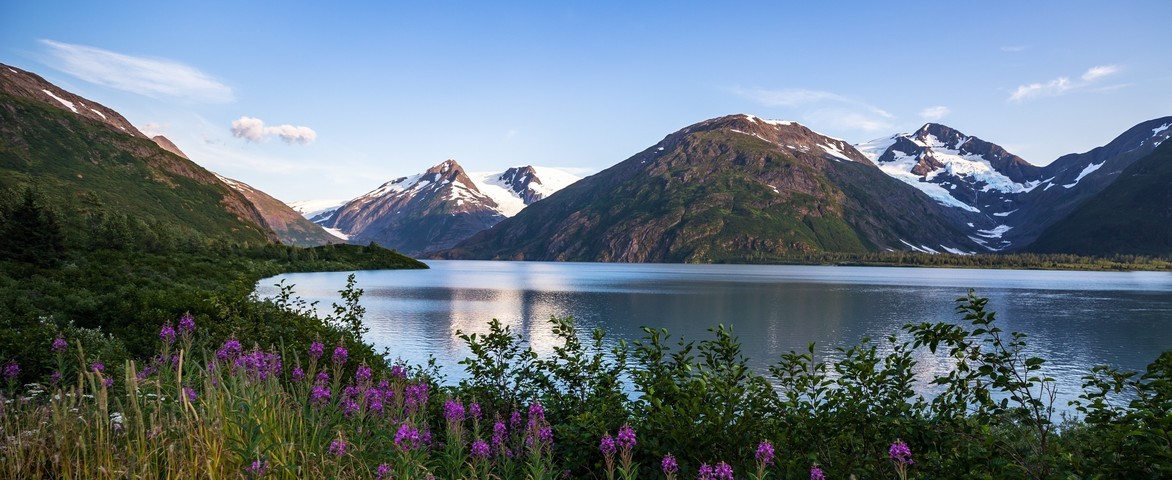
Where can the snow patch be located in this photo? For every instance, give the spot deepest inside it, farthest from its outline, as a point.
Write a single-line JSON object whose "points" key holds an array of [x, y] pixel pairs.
{"points": [[63, 101], [769, 122], [1002, 214], [1161, 128], [337, 233], [836, 152], [897, 169], [955, 251], [996, 232], [875, 148], [312, 208], [921, 248], [1086, 171]]}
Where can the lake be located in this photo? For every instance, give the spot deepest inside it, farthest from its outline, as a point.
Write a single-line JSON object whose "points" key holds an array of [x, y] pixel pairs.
{"points": [[1075, 320]]}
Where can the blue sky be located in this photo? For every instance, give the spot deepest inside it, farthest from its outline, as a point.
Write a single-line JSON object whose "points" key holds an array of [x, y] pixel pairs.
{"points": [[331, 99]]}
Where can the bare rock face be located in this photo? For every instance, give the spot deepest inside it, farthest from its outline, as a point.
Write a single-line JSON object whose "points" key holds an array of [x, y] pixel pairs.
{"points": [[521, 181], [169, 146]]}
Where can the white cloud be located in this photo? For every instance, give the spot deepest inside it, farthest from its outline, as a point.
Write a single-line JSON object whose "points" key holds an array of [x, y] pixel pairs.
{"points": [[1013, 48], [151, 129], [1098, 72], [932, 114], [837, 118], [1063, 85], [154, 78], [823, 108], [254, 130]]}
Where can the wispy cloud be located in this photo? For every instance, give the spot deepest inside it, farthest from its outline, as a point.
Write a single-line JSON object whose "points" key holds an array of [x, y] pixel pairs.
{"points": [[254, 130], [932, 114], [151, 129], [154, 78], [1062, 85], [822, 107], [1014, 48]]}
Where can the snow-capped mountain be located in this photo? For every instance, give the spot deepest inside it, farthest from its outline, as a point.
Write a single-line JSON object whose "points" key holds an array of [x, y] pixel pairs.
{"points": [[437, 208]]}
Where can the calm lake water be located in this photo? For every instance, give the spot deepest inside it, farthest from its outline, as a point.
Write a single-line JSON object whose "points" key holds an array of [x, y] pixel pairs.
{"points": [[1075, 320]]}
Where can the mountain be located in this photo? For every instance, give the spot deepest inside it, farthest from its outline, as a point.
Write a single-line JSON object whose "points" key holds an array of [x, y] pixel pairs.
{"points": [[1073, 179], [435, 209], [735, 188], [99, 171], [413, 214], [1132, 215]]}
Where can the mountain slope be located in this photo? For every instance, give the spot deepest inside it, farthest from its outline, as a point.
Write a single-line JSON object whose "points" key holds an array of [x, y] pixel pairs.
{"points": [[290, 227], [1132, 215], [734, 188], [414, 214], [95, 164], [1073, 179]]}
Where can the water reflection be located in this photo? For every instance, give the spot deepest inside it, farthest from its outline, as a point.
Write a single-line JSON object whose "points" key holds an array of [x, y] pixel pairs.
{"points": [[1074, 319]]}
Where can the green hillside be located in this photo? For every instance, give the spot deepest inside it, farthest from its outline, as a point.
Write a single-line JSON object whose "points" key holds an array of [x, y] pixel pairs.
{"points": [[103, 179]]}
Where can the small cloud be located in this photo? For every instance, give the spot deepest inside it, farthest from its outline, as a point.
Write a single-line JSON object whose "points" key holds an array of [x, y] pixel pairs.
{"points": [[841, 119], [1096, 73], [1014, 48], [254, 130], [1063, 85], [932, 114], [145, 76], [823, 108]]}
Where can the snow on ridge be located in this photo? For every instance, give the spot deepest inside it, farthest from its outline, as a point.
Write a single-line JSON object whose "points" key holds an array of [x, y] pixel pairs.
{"points": [[313, 208], [99, 113], [995, 232], [875, 148], [1086, 171], [337, 233], [1003, 214], [769, 122], [834, 151], [900, 169], [63, 101], [1161, 128]]}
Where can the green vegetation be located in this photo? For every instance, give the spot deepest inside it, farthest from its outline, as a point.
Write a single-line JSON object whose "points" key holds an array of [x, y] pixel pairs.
{"points": [[300, 409], [1026, 261]]}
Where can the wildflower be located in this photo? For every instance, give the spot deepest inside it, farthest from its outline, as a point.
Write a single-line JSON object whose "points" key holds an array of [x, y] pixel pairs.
{"points": [[499, 434], [479, 449], [340, 355], [315, 350], [626, 437], [474, 412], [319, 395], [167, 333], [515, 420], [816, 473], [258, 468], [723, 471], [765, 453], [229, 351], [363, 373], [607, 446], [384, 472], [338, 447], [11, 370], [669, 465], [98, 367], [900, 453], [705, 473], [536, 411], [59, 345], [186, 324], [108, 382], [298, 374], [415, 397], [323, 377], [397, 371], [453, 411], [55, 378], [190, 394], [408, 437]]}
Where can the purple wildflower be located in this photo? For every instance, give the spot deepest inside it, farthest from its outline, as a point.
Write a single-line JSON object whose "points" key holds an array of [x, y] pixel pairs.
{"points": [[670, 467], [607, 446], [453, 411], [55, 378], [626, 437], [320, 395], [480, 449], [323, 377], [705, 473], [59, 345], [258, 468], [723, 471], [384, 472], [900, 453], [536, 412], [397, 371], [186, 324], [298, 374], [363, 373], [11, 370], [316, 349], [98, 367], [340, 355], [415, 397], [408, 437], [499, 434], [765, 453], [474, 412], [816, 473], [108, 382], [167, 333], [338, 447], [229, 351], [515, 420]]}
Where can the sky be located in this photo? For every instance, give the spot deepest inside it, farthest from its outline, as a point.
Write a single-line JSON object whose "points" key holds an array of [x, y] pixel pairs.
{"points": [[328, 100]]}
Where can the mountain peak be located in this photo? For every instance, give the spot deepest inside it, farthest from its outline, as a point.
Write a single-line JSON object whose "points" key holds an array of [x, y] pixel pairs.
{"points": [[20, 83]]}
